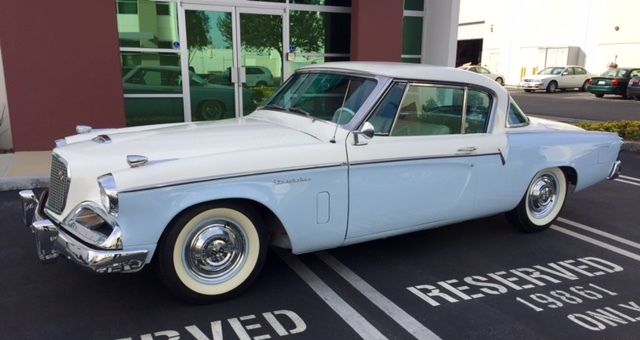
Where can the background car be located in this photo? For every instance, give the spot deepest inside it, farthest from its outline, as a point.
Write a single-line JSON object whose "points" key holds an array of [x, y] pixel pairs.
{"points": [[633, 89], [257, 76], [613, 81], [483, 71], [208, 101], [558, 77]]}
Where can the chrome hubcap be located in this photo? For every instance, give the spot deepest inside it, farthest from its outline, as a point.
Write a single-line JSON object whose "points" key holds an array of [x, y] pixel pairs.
{"points": [[543, 195], [215, 251]]}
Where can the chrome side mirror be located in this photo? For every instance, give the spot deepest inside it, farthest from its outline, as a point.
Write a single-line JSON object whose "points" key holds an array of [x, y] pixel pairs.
{"points": [[367, 132]]}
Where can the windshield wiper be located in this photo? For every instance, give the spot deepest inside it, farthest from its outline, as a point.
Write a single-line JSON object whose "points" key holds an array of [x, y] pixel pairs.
{"points": [[293, 109], [296, 109]]}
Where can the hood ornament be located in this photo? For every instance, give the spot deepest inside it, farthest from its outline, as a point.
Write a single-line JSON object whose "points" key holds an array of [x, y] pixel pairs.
{"points": [[135, 161], [81, 129], [101, 139]]}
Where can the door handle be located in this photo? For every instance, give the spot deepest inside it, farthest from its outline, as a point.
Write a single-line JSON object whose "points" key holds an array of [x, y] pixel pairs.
{"points": [[468, 149]]}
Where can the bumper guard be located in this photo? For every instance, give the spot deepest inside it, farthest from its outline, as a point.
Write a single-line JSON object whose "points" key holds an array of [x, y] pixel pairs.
{"points": [[52, 241]]}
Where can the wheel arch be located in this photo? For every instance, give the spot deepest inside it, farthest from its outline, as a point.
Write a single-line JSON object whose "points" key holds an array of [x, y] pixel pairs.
{"points": [[571, 174], [275, 228]]}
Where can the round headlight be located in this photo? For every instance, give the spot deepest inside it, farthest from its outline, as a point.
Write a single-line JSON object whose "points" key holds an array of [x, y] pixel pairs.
{"points": [[108, 193]]}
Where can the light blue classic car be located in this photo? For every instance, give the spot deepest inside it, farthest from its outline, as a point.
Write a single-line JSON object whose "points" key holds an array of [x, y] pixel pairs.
{"points": [[342, 153]]}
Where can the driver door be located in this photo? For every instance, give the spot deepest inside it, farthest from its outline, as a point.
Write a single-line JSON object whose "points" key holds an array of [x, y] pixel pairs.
{"points": [[419, 169]]}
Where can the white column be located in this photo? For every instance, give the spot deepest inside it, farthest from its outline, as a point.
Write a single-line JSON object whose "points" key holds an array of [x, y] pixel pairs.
{"points": [[440, 32], [6, 142]]}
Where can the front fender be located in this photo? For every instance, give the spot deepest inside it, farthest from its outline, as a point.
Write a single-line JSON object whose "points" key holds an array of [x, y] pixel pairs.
{"points": [[311, 204]]}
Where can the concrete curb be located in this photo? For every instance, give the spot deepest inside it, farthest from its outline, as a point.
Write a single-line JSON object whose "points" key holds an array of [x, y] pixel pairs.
{"points": [[21, 183], [630, 146]]}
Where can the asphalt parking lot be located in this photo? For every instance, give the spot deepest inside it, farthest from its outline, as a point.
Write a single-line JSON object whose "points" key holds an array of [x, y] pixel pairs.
{"points": [[571, 106], [480, 279]]}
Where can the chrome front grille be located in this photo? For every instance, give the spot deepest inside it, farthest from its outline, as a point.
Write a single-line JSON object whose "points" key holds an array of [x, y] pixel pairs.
{"points": [[59, 184]]}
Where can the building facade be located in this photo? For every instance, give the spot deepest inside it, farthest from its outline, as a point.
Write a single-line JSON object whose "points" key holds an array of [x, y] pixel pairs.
{"points": [[518, 38], [126, 62]]}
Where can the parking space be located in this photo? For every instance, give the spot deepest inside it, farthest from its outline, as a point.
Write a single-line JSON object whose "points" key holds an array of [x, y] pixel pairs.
{"points": [[571, 106], [479, 279]]}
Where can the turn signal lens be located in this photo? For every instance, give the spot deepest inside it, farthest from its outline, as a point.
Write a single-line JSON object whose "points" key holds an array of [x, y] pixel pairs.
{"points": [[590, 81]]}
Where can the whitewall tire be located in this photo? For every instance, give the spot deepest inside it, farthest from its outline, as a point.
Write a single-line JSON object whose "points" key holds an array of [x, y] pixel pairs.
{"points": [[211, 252], [542, 201]]}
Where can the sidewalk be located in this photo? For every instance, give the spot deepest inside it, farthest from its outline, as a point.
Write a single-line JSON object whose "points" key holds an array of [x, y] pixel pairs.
{"points": [[24, 170]]}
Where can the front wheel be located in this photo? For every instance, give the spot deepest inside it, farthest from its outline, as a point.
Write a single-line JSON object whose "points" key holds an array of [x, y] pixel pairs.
{"points": [[542, 202], [212, 252], [552, 87]]}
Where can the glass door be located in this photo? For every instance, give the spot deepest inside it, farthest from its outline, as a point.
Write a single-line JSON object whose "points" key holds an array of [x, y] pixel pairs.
{"points": [[235, 59], [262, 48], [211, 63]]}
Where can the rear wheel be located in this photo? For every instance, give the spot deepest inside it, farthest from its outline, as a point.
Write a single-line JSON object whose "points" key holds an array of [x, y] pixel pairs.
{"points": [[599, 95], [527, 90], [552, 87], [212, 252], [542, 202], [637, 97]]}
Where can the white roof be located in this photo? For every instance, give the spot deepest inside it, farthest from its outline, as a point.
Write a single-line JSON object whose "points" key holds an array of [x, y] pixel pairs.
{"points": [[411, 71]]}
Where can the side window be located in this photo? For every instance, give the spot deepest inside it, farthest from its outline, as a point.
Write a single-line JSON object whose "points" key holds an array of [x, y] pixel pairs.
{"points": [[580, 70], [516, 117], [383, 116], [568, 71], [478, 111], [634, 73], [429, 110], [483, 70]]}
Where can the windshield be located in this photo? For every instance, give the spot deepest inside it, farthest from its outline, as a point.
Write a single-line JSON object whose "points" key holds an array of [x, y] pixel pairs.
{"points": [[551, 71], [615, 73], [328, 96]]}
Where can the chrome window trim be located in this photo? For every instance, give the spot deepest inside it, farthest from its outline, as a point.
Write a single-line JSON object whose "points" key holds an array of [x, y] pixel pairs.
{"points": [[379, 100], [465, 88], [397, 114], [506, 121]]}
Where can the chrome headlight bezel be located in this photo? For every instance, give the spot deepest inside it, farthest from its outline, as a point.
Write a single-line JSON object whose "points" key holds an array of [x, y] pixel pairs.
{"points": [[108, 193], [92, 224]]}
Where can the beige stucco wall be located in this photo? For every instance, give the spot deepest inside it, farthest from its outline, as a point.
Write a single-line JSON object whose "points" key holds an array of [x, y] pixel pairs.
{"points": [[513, 31]]}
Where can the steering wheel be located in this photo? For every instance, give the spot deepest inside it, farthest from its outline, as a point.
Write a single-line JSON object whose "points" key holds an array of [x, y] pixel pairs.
{"points": [[341, 113]]}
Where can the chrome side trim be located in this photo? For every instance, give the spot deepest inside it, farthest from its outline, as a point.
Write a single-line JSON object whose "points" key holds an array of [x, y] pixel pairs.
{"points": [[418, 158], [230, 176]]}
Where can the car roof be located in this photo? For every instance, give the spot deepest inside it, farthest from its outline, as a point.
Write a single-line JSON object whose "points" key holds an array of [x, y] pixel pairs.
{"points": [[406, 71]]}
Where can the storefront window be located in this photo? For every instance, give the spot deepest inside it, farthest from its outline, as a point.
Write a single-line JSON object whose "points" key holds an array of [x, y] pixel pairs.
{"points": [[147, 24], [412, 36], [320, 32], [414, 5], [323, 2]]}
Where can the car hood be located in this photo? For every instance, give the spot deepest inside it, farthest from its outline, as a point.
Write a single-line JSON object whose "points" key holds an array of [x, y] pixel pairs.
{"points": [[539, 77], [184, 140]]}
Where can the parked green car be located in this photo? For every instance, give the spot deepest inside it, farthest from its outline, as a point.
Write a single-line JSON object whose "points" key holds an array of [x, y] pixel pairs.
{"points": [[208, 101], [613, 81]]}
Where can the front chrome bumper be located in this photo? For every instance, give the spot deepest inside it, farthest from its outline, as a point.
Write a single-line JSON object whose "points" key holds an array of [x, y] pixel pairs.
{"points": [[615, 170], [52, 241]]}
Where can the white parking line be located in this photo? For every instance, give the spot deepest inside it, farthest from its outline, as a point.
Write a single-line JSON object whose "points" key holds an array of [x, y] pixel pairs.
{"points": [[630, 178], [600, 232], [409, 323], [354, 319], [597, 242], [625, 181]]}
